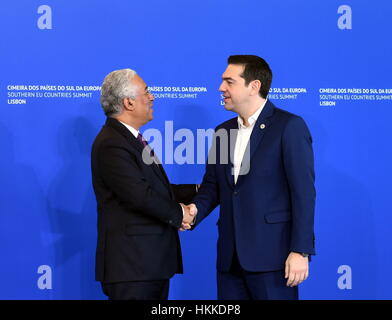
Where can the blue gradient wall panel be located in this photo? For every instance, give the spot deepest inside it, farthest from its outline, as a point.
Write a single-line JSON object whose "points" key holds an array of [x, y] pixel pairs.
{"points": [[331, 62]]}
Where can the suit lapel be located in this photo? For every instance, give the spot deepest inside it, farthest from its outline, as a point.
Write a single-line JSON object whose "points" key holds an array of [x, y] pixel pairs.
{"points": [[121, 129], [232, 131], [166, 179], [158, 169], [262, 124]]}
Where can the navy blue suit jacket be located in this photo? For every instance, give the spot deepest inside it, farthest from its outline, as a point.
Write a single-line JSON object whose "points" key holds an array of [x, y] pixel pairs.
{"points": [[269, 212]]}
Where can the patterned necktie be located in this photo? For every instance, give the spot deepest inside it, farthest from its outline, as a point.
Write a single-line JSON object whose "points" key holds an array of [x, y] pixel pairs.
{"points": [[145, 144]]}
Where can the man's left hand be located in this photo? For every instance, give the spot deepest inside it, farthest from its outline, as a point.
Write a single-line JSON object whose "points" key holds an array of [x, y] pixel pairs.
{"points": [[297, 269]]}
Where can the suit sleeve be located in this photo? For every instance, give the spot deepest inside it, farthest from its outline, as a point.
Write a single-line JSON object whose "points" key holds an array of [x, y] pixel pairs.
{"points": [[299, 166], [120, 171], [184, 193], [207, 198]]}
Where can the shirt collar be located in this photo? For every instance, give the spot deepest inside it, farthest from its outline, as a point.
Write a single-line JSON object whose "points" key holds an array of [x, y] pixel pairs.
{"points": [[132, 129], [252, 119]]}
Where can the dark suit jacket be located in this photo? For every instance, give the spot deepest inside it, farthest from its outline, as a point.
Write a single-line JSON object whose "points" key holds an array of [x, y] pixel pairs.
{"points": [[138, 212], [270, 210]]}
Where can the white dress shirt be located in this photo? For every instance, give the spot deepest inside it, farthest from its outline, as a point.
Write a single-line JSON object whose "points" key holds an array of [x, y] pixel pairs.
{"points": [[242, 141], [132, 129]]}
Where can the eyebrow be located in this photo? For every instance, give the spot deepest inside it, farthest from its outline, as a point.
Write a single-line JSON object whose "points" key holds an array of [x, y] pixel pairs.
{"points": [[227, 78]]}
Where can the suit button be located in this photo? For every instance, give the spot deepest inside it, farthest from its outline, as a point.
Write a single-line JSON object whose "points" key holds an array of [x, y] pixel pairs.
{"points": [[235, 193], [170, 221]]}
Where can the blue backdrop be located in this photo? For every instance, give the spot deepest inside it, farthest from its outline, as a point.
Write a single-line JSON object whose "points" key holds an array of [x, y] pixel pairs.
{"points": [[331, 62]]}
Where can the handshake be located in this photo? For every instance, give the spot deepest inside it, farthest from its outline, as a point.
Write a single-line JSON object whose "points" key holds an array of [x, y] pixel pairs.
{"points": [[190, 212]]}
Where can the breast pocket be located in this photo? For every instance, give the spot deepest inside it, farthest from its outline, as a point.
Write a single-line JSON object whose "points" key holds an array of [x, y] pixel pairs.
{"points": [[278, 217]]}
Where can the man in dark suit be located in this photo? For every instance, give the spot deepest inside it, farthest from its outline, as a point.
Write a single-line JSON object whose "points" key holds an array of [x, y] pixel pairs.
{"points": [[139, 214], [265, 189]]}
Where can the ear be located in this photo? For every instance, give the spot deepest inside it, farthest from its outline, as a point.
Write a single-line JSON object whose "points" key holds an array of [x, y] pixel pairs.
{"points": [[255, 85], [128, 104]]}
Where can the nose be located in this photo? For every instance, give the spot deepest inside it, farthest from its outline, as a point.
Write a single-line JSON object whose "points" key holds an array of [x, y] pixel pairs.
{"points": [[222, 87]]}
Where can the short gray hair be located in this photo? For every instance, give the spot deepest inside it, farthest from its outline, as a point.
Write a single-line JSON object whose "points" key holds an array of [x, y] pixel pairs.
{"points": [[115, 87]]}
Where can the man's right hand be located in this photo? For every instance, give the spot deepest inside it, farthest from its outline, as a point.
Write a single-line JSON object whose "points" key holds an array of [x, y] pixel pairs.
{"points": [[190, 213]]}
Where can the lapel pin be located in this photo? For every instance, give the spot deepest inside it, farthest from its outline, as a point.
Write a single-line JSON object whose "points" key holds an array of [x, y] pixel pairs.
{"points": [[262, 126]]}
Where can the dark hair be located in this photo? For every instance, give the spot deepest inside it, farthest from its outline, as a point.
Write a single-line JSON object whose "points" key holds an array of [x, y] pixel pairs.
{"points": [[255, 68]]}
